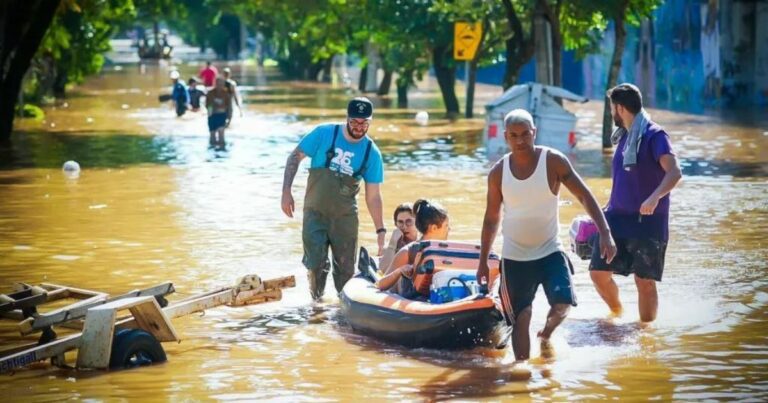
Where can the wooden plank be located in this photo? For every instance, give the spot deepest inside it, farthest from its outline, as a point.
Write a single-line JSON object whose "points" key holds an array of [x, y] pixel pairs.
{"points": [[123, 303], [33, 299], [79, 309], [196, 303], [199, 304], [96, 343], [252, 298], [31, 288], [281, 282], [152, 319], [74, 292], [201, 295], [6, 299], [39, 353], [12, 315], [16, 349]]}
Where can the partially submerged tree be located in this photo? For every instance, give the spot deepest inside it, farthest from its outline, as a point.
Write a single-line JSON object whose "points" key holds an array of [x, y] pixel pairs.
{"points": [[23, 24], [74, 46]]}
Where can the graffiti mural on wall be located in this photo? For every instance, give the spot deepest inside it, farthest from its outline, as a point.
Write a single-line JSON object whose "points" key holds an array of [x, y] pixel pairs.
{"points": [[692, 55], [663, 57]]}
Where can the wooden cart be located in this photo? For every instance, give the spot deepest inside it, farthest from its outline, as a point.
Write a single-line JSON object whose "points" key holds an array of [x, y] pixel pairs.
{"points": [[108, 340]]}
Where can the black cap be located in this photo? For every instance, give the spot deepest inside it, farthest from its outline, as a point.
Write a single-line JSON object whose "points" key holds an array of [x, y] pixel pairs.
{"points": [[360, 108]]}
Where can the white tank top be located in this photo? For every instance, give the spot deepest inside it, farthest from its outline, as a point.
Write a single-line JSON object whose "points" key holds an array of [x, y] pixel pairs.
{"points": [[531, 213]]}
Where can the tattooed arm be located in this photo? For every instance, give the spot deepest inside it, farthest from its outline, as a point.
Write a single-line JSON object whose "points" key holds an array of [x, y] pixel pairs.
{"points": [[291, 167]]}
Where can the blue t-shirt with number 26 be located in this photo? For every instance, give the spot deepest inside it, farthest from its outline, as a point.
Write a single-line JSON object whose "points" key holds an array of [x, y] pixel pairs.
{"points": [[347, 157]]}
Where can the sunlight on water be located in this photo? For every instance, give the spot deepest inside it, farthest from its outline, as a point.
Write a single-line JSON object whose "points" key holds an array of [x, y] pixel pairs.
{"points": [[153, 203]]}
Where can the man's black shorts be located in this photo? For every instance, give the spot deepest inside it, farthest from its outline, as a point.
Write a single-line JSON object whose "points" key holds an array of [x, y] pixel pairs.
{"points": [[641, 256], [520, 280]]}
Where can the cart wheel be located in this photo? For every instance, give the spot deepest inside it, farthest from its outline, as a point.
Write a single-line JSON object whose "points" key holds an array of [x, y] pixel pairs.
{"points": [[134, 348]]}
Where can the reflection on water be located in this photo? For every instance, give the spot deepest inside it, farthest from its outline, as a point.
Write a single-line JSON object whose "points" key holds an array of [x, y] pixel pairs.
{"points": [[153, 203]]}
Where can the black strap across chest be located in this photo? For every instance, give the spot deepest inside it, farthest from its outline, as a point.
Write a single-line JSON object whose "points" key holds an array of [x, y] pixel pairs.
{"points": [[332, 152]]}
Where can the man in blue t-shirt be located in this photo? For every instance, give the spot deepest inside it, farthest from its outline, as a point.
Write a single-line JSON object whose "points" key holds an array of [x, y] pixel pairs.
{"points": [[179, 94], [645, 170], [342, 155]]}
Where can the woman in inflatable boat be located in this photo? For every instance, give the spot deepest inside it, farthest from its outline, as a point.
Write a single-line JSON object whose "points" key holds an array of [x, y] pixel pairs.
{"points": [[405, 232], [432, 221]]}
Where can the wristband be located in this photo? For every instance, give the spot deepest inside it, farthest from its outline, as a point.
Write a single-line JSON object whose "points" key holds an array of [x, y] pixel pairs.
{"points": [[381, 230]]}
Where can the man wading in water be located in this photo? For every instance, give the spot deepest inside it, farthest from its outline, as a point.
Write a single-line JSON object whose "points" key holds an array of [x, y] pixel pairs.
{"points": [[526, 184], [645, 171], [341, 156]]}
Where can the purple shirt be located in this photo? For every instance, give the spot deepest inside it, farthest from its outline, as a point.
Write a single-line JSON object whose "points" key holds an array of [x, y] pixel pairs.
{"points": [[631, 188]]}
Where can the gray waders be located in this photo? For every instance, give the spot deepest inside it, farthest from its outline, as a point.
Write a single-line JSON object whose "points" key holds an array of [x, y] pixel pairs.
{"points": [[330, 219]]}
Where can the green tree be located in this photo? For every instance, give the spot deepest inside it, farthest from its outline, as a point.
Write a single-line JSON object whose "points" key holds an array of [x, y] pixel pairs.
{"points": [[75, 43], [304, 34], [519, 43], [23, 24], [400, 35], [490, 16], [575, 24], [156, 11], [622, 12]]}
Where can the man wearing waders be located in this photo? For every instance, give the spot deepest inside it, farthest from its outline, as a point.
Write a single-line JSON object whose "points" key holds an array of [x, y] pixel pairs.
{"points": [[342, 155]]}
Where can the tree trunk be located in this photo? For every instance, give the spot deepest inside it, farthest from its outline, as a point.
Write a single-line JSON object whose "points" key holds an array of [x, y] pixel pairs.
{"points": [[402, 95], [60, 84], [327, 66], [472, 74], [24, 24], [557, 55], [519, 49], [553, 15], [156, 31], [613, 72], [386, 83], [446, 79], [363, 77], [313, 71], [471, 79]]}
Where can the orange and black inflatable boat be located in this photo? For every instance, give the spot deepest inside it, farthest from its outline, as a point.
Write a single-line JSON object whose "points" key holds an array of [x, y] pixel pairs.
{"points": [[468, 322]]}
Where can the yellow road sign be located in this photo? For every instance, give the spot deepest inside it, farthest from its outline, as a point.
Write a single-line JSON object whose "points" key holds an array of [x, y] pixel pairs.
{"points": [[466, 38]]}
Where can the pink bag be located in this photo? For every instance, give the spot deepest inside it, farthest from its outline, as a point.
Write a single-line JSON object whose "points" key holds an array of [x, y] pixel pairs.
{"points": [[582, 230]]}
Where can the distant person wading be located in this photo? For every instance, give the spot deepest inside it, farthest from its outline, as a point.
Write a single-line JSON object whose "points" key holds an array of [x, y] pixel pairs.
{"points": [[218, 101]]}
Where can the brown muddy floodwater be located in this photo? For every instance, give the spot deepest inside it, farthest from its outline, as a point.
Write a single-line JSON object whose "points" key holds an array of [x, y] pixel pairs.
{"points": [[153, 203]]}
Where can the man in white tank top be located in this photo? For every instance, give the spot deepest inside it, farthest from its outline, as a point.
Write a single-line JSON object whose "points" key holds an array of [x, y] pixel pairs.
{"points": [[526, 184]]}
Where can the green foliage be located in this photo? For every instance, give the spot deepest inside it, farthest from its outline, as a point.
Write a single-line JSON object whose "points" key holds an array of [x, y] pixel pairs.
{"points": [[306, 33], [489, 13], [74, 45], [32, 111], [207, 23], [582, 24], [152, 11]]}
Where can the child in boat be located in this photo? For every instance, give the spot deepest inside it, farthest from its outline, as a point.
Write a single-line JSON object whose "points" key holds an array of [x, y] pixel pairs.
{"points": [[432, 221], [405, 232]]}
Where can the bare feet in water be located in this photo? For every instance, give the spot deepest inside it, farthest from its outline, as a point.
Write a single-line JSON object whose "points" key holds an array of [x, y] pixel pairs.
{"points": [[547, 350]]}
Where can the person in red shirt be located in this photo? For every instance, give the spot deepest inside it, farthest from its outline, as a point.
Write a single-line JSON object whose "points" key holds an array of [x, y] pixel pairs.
{"points": [[208, 74]]}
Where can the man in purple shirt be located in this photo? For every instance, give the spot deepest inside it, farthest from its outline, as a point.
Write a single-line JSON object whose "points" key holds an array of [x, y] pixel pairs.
{"points": [[645, 170]]}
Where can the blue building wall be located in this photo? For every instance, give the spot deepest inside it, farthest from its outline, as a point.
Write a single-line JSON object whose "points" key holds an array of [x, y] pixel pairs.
{"points": [[680, 58]]}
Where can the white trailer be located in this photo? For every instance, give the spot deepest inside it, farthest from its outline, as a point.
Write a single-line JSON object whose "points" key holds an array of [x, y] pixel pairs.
{"points": [[555, 125], [107, 340]]}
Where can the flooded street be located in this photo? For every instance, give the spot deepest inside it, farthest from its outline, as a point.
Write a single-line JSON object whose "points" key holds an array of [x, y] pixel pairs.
{"points": [[153, 203]]}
